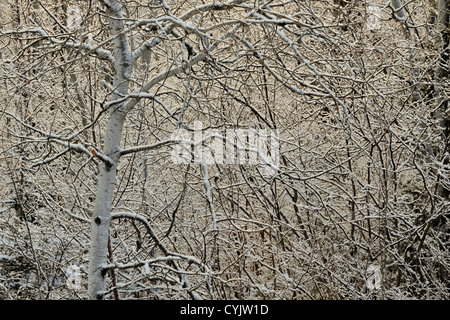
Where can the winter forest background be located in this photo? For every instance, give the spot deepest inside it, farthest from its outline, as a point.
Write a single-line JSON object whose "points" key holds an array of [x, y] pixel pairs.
{"points": [[352, 204]]}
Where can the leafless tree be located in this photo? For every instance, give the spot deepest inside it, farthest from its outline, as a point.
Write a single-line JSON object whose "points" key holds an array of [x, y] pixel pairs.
{"points": [[344, 195]]}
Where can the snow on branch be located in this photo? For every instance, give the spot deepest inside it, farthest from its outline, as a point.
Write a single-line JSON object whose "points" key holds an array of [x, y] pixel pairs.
{"points": [[143, 220], [180, 22], [87, 47], [137, 264], [163, 76], [148, 147], [171, 257]]}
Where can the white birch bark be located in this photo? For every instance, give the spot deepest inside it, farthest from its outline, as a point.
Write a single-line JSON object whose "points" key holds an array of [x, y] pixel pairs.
{"points": [[101, 216]]}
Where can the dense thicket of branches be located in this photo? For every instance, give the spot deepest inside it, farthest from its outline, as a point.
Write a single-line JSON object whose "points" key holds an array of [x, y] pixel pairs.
{"points": [[355, 207]]}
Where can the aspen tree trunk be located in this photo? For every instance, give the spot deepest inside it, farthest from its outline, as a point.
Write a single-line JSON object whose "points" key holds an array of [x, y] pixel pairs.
{"points": [[101, 216], [442, 75]]}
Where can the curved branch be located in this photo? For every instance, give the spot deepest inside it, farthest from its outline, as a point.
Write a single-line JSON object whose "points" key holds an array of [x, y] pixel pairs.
{"points": [[185, 282]]}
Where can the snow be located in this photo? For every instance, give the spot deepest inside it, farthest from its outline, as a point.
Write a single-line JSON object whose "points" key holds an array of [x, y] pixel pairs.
{"points": [[5, 258], [146, 269], [373, 281], [74, 17]]}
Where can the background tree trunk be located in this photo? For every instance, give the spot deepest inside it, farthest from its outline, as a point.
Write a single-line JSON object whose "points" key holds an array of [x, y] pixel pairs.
{"points": [[441, 88]]}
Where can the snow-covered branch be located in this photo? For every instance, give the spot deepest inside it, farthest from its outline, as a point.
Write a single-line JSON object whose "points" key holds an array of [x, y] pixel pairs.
{"points": [[169, 254]]}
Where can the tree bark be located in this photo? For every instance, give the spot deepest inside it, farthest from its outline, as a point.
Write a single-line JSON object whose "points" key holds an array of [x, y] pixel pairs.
{"points": [[101, 216], [442, 75]]}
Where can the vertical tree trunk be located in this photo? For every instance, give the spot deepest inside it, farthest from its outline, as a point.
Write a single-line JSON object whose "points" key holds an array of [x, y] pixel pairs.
{"points": [[101, 216], [442, 117], [442, 75]]}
